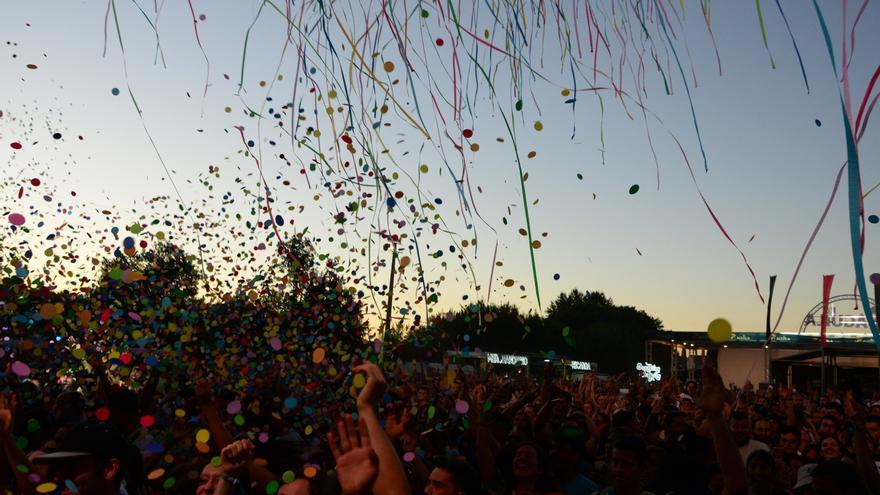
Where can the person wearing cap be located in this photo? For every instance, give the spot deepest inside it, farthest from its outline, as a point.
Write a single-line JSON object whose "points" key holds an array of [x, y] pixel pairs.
{"points": [[92, 460]]}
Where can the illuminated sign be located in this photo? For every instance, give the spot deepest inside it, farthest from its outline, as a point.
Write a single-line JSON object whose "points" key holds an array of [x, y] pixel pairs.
{"points": [[842, 324], [580, 365], [507, 359], [649, 371]]}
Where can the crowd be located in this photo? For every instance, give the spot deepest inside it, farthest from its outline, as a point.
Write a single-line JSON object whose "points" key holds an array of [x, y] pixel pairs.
{"points": [[444, 432]]}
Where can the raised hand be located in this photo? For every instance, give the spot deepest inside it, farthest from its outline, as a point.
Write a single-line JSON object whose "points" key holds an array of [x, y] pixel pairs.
{"points": [[357, 465], [236, 455], [375, 386], [714, 394]]}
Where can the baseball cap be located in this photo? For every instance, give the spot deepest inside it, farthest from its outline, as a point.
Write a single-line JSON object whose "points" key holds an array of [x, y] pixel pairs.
{"points": [[804, 476], [90, 438]]}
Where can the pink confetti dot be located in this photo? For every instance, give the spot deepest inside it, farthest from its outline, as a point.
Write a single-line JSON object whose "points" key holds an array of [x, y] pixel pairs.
{"points": [[233, 407], [409, 457], [16, 219], [21, 369], [275, 342], [462, 407]]}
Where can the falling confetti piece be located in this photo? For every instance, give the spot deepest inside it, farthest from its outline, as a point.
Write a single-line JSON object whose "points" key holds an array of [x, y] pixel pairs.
{"points": [[318, 355], [15, 145], [873, 218], [16, 219], [21, 369], [634, 189], [46, 487], [114, 91], [203, 435]]}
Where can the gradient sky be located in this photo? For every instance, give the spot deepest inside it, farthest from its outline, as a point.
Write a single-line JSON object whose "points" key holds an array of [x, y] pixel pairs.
{"points": [[771, 168]]}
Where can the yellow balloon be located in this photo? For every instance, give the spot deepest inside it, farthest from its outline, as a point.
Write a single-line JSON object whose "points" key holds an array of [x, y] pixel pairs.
{"points": [[720, 330]]}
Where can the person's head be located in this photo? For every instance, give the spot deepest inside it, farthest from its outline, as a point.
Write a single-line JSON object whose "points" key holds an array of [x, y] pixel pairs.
{"points": [[675, 425], [790, 440], [527, 462], [829, 425], [452, 477], [872, 426], [739, 426], [566, 451], [691, 388], [761, 468], [836, 478], [423, 394], [628, 457], [208, 479], [763, 430], [833, 408], [93, 456], [830, 449]]}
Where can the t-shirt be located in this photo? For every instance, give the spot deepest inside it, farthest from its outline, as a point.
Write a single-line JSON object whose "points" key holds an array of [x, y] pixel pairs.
{"points": [[746, 450], [579, 485]]}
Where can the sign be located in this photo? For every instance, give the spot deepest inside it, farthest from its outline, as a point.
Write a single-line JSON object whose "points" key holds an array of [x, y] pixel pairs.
{"points": [[845, 317], [580, 365], [507, 359], [649, 371]]}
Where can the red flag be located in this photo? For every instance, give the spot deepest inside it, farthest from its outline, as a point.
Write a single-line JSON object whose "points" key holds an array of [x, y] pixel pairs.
{"points": [[827, 280]]}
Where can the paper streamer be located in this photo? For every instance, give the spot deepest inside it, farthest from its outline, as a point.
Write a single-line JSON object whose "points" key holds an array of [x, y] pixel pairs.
{"points": [[855, 196], [827, 280]]}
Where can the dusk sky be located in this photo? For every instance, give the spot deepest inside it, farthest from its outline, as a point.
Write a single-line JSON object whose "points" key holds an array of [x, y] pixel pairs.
{"points": [[773, 149]]}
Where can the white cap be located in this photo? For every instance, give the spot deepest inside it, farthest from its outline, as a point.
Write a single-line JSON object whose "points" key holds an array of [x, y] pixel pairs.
{"points": [[805, 476]]}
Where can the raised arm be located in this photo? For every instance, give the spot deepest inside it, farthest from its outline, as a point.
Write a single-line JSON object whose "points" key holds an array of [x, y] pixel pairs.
{"points": [[712, 402], [392, 478]]}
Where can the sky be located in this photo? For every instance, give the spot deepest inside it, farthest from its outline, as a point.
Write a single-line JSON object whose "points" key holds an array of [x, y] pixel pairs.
{"points": [[773, 149]]}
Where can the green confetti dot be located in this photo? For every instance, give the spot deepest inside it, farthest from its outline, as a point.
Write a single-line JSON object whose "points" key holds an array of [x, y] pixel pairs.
{"points": [[565, 331], [22, 443], [239, 419], [634, 189], [518, 105], [21, 468], [425, 14], [487, 405], [272, 487], [288, 476], [169, 482], [216, 461], [115, 91], [431, 412], [580, 176]]}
